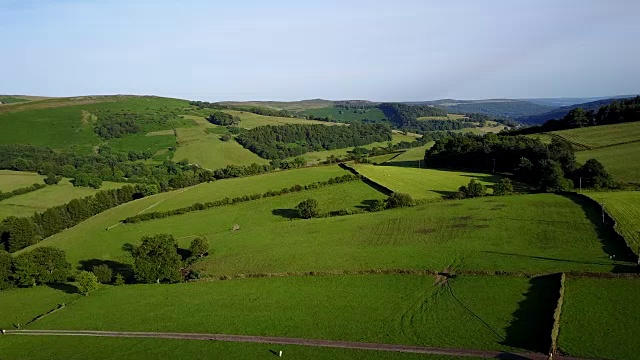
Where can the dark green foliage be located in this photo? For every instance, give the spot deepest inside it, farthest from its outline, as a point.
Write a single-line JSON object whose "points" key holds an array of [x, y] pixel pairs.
{"points": [[103, 273], [399, 200], [41, 265], [199, 246], [21, 191], [403, 115], [280, 142], [227, 201], [473, 189], [119, 280], [503, 187], [223, 119], [86, 180], [17, 233], [308, 209], [156, 259], [529, 159], [52, 179], [87, 282], [594, 175], [5, 269], [225, 137], [115, 125], [377, 205]]}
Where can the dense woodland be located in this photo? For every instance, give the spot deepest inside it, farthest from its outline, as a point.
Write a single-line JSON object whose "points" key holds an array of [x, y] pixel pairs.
{"points": [[223, 119], [616, 112], [284, 141], [552, 167], [116, 125]]}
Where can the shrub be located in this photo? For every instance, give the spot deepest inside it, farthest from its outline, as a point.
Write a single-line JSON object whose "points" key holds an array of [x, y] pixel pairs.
{"points": [[119, 280], [399, 200], [308, 209], [87, 282], [199, 246], [103, 273], [473, 189], [52, 179], [504, 187], [377, 205]]}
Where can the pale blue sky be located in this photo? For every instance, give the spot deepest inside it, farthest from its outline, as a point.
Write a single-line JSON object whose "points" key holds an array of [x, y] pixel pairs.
{"points": [[292, 50]]}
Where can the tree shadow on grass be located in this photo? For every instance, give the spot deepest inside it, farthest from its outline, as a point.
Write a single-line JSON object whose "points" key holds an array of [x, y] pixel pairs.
{"points": [[286, 213], [184, 253], [366, 204], [532, 321], [66, 287], [613, 244], [126, 270]]}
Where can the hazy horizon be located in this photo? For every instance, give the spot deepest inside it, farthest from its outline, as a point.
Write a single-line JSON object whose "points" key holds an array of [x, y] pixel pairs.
{"points": [[286, 51]]}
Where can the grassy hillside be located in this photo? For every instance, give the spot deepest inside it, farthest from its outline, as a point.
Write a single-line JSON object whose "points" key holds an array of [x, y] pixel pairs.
{"points": [[615, 146], [467, 234], [11, 180], [11, 100], [345, 115], [250, 120], [68, 123], [421, 183], [383, 308], [600, 318], [624, 207], [50, 196], [286, 105]]}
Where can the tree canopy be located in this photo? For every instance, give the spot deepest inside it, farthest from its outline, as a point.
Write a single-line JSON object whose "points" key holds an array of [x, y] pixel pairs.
{"points": [[156, 259]]}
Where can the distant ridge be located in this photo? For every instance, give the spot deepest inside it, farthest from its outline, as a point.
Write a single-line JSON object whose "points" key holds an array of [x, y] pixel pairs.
{"points": [[562, 111]]}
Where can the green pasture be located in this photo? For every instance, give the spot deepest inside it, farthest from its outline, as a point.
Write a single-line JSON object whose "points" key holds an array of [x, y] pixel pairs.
{"points": [[410, 157], [448, 117], [605, 135], [249, 185], [468, 312], [12, 180], [11, 100], [420, 183], [317, 156], [621, 161], [49, 196], [250, 120], [536, 233], [81, 348], [600, 318], [345, 115], [20, 306], [624, 207]]}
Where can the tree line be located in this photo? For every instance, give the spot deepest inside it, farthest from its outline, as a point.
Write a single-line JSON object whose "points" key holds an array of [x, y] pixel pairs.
{"points": [[551, 167], [21, 191], [223, 119], [231, 201], [260, 110], [284, 141], [618, 111]]}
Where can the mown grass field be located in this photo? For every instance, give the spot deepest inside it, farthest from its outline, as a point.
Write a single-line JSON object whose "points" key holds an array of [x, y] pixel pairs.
{"points": [[12, 180], [346, 115], [600, 318], [624, 207], [621, 161], [82, 348], [410, 157], [448, 117], [469, 312], [50, 196], [531, 233], [20, 306], [421, 183]]}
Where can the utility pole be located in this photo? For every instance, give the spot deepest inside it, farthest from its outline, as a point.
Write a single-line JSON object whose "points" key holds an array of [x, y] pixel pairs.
{"points": [[494, 165], [602, 212], [580, 185]]}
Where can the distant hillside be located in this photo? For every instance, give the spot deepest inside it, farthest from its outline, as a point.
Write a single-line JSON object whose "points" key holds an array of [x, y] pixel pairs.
{"points": [[559, 113], [500, 108], [568, 101], [285, 105]]}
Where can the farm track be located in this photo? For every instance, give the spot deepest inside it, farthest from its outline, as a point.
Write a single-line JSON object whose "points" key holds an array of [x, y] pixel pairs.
{"points": [[295, 341]]}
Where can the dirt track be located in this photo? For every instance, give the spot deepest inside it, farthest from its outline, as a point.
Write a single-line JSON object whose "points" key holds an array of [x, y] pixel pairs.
{"points": [[294, 341]]}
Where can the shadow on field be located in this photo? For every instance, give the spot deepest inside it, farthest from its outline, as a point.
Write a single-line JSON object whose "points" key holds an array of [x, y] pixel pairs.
{"points": [[406, 163], [126, 270], [532, 321], [366, 204], [509, 356], [613, 244], [286, 213], [184, 253], [549, 258], [68, 288]]}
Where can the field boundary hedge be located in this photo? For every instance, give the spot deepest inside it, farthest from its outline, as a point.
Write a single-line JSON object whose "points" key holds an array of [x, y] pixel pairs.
{"points": [[240, 199], [21, 191], [383, 189], [556, 317]]}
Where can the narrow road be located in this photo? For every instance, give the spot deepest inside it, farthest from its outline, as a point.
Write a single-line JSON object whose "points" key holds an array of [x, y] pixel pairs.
{"points": [[294, 341]]}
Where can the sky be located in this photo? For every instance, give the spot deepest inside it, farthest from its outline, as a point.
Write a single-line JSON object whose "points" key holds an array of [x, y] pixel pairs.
{"points": [[398, 50]]}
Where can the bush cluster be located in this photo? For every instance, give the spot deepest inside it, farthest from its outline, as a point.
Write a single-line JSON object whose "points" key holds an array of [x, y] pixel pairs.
{"points": [[239, 199]]}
